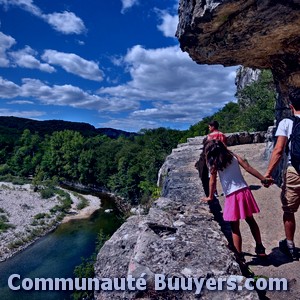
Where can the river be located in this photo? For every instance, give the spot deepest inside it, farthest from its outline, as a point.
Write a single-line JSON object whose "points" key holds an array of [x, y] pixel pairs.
{"points": [[57, 254]]}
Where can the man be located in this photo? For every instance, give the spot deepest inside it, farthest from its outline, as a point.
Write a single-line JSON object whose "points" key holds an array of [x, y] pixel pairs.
{"points": [[290, 194], [215, 134]]}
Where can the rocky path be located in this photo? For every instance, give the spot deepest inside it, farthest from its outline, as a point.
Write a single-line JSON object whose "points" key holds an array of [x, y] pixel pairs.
{"points": [[270, 223]]}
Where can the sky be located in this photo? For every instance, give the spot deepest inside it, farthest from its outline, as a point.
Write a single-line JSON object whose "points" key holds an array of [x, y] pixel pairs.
{"points": [[110, 63]]}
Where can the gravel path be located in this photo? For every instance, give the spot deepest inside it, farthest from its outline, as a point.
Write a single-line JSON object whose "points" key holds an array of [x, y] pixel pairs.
{"points": [[270, 222]]}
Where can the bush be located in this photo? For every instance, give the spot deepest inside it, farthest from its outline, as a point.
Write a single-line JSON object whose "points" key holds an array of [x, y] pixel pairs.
{"points": [[83, 202], [13, 179], [4, 225], [4, 169], [47, 193], [40, 216]]}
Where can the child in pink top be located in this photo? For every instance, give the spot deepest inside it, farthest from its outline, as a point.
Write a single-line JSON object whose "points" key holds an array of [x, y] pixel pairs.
{"points": [[239, 202]]}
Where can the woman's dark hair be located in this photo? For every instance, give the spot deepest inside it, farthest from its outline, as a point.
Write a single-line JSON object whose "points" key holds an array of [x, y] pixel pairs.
{"points": [[218, 157], [214, 124]]}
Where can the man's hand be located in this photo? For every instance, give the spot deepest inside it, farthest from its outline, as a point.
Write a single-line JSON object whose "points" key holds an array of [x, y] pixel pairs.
{"points": [[267, 181]]}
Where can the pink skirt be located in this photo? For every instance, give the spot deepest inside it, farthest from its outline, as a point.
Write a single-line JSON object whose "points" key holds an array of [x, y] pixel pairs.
{"points": [[239, 205]]}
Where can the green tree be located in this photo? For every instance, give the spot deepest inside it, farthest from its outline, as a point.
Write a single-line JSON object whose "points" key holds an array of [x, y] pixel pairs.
{"points": [[257, 102], [127, 177], [62, 155], [27, 154]]}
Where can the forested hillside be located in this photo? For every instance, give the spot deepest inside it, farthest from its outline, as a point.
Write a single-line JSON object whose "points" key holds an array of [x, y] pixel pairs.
{"points": [[127, 166], [15, 126]]}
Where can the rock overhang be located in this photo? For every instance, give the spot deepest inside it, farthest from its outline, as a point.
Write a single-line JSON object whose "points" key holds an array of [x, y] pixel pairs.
{"points": [[255, 34]]}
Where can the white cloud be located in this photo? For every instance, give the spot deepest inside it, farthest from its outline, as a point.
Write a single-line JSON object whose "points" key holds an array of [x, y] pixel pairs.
{"points": [[168, 74], [20, 102], [80, 42], [25, 58], [166, 89], [6, 42], [23, 4], [21, 114], [126, 4], [8, 89], [64, 95], [65, 22], [74, 64], [168, 25], [178, 90], [128, 124]]}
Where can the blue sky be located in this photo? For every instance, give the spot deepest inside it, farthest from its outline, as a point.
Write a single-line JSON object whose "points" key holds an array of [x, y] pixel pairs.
{"points": [[110, 63]]}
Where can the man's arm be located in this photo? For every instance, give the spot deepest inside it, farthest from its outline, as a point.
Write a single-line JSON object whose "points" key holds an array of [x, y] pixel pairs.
{"points": [[276, 154]]}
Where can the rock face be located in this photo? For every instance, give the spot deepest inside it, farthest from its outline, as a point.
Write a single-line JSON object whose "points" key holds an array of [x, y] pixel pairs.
{"points": [[255, 34], [179, 238], [239, 138], [245, 76]]}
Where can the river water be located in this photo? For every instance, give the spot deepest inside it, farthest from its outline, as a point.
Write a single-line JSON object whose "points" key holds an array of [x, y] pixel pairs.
{"points": [[57, 254]]}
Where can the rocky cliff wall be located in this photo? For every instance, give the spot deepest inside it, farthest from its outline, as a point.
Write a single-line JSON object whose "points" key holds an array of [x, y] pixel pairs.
{"points": [[179, 238], [245, 76]]}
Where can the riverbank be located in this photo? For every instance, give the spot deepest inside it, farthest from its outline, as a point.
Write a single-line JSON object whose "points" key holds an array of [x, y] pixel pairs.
{"points": [[28, 216]]}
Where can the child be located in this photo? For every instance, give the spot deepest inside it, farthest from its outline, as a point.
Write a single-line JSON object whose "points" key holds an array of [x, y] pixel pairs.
{"points": [[239, 202]]}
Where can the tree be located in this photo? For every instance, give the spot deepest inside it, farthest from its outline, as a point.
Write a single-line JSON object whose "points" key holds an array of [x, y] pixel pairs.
{"points": [[27, 154], [257, 102], [62, 155]]}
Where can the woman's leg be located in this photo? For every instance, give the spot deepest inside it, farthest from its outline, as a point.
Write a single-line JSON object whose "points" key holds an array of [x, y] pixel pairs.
{"points": [[236, 235], [254, 229]]}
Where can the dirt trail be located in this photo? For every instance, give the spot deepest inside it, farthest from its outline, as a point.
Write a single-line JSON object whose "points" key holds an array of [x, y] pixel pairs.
{"points": [[270, 222]]}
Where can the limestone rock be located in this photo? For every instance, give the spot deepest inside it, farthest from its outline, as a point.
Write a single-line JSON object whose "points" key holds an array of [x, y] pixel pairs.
{"points": [[245, 76], [233, 32], [239, 138]]}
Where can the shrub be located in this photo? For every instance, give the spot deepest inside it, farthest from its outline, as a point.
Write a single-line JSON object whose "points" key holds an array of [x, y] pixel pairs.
{"points": [[40, 216], [47, 193], [83, 202]]}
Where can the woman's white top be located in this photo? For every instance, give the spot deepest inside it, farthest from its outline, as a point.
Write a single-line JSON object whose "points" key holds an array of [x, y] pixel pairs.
{"points": [[231, 178]]}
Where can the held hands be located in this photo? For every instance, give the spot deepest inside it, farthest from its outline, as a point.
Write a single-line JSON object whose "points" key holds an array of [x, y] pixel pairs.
{"points": [[267, 181]]}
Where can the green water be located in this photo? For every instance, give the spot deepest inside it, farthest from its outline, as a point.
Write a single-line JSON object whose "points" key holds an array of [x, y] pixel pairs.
{"points": [[57, 254]]}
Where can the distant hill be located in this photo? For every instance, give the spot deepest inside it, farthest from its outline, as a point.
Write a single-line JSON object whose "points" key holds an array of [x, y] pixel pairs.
{"points": [[15, 126]]}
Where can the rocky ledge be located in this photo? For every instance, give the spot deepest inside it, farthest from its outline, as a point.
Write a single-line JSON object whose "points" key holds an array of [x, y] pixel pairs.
{"points": [[179, 238]]}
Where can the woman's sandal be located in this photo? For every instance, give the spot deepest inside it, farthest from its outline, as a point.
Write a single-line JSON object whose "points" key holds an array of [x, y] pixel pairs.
{"points": [[260, 251]]}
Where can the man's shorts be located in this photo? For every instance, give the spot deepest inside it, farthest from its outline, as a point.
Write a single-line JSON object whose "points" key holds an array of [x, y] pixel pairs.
{"points": [[290, 194]]}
